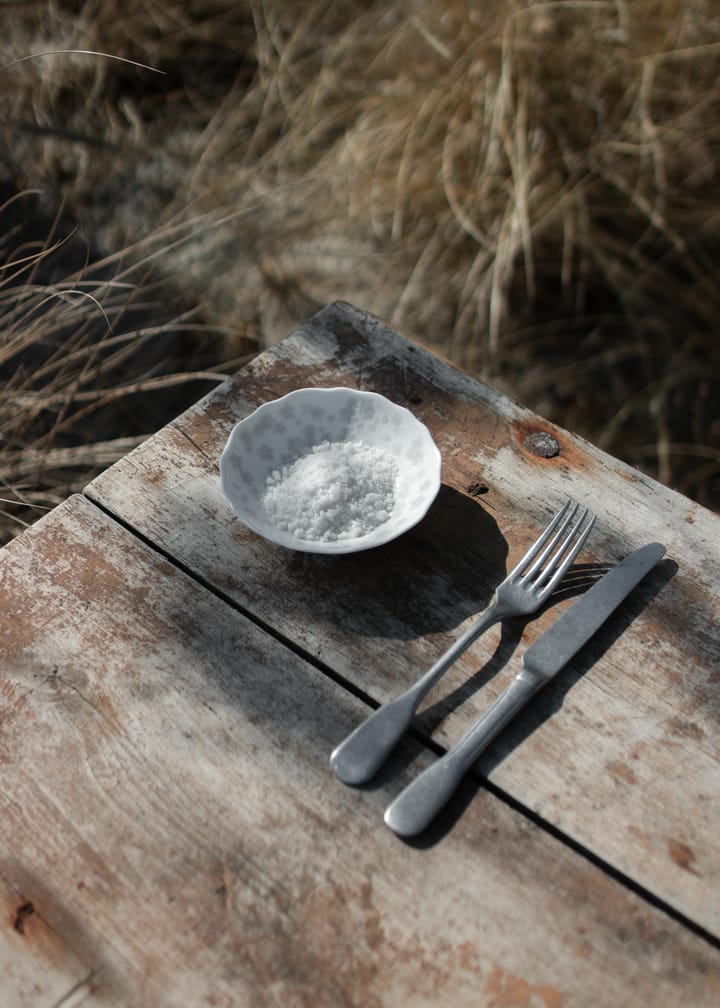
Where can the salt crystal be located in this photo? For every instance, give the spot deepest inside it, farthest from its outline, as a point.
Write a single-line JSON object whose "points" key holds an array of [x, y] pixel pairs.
{"points": [[338, 490]]}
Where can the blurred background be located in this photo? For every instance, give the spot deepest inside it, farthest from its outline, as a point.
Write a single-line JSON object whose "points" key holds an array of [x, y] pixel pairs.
{"points": [[528, 188]]}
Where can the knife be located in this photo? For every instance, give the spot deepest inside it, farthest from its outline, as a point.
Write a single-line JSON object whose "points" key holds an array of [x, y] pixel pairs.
{"points": [[419, 803]]}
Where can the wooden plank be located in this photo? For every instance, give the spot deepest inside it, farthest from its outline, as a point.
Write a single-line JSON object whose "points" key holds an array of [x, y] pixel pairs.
{"points": [[173, 831], [621, 752], [37, 967]]}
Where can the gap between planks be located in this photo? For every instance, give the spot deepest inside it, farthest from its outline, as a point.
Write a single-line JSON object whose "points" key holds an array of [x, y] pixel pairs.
{"points": [[423, 739]]}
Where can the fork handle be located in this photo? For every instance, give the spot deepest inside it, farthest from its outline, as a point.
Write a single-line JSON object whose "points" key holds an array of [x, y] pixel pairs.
{"points": [[362, 753], [420, 802]]}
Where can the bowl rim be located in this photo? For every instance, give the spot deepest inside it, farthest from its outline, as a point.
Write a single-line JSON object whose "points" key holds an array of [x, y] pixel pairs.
{"points": [[371, 539]]}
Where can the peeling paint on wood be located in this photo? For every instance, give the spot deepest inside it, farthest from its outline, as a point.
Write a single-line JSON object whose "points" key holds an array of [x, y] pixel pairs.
{"points": [[382, 617], [171, 832]]}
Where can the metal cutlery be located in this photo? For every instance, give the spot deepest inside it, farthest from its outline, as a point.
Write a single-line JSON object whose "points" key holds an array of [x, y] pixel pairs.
{"points": [[522, 592], [420, 802]]}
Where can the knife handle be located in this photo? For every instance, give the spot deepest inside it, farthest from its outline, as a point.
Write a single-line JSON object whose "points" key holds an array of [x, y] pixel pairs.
{"points": [[420, 802]]}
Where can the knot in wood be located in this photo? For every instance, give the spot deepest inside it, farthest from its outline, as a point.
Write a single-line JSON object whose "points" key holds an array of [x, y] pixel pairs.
{"points": [[542, 444], [22, 913]]}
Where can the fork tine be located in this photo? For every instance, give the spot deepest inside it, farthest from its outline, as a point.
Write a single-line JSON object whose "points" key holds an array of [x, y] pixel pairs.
{"points": [[563, 559], [540, 542], [537, 566]]}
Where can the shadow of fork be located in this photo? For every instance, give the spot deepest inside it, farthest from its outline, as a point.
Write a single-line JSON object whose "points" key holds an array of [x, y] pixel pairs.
{"points": [[576, 581]]}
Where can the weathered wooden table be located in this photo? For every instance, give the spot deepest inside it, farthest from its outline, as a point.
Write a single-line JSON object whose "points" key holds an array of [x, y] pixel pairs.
{"points": [[172, 686]]}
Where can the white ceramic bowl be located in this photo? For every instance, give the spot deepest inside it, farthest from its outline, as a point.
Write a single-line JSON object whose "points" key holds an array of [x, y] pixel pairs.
{"points": [[280, 432]]}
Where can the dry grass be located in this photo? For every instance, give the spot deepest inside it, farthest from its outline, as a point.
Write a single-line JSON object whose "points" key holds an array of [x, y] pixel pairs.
{"points": [[529, 187], [85, 366]]}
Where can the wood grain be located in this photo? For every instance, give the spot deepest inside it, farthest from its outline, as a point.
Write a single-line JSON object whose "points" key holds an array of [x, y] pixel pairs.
{"points": [[171, 828], [621, 751]]}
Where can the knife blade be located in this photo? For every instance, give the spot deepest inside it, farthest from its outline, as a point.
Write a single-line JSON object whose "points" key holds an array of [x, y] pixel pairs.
{"points": [[419, 803]]}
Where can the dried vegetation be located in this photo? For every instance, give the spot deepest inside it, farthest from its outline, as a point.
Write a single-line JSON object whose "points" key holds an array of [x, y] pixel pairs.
{"points": [[528, 187]]}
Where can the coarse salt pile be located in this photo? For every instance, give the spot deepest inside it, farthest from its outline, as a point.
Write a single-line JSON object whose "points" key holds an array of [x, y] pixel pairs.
{"points": [[338, 490]]}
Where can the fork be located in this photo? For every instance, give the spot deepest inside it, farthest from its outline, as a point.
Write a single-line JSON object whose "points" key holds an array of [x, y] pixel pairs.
{"points": [[522, 592]]}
